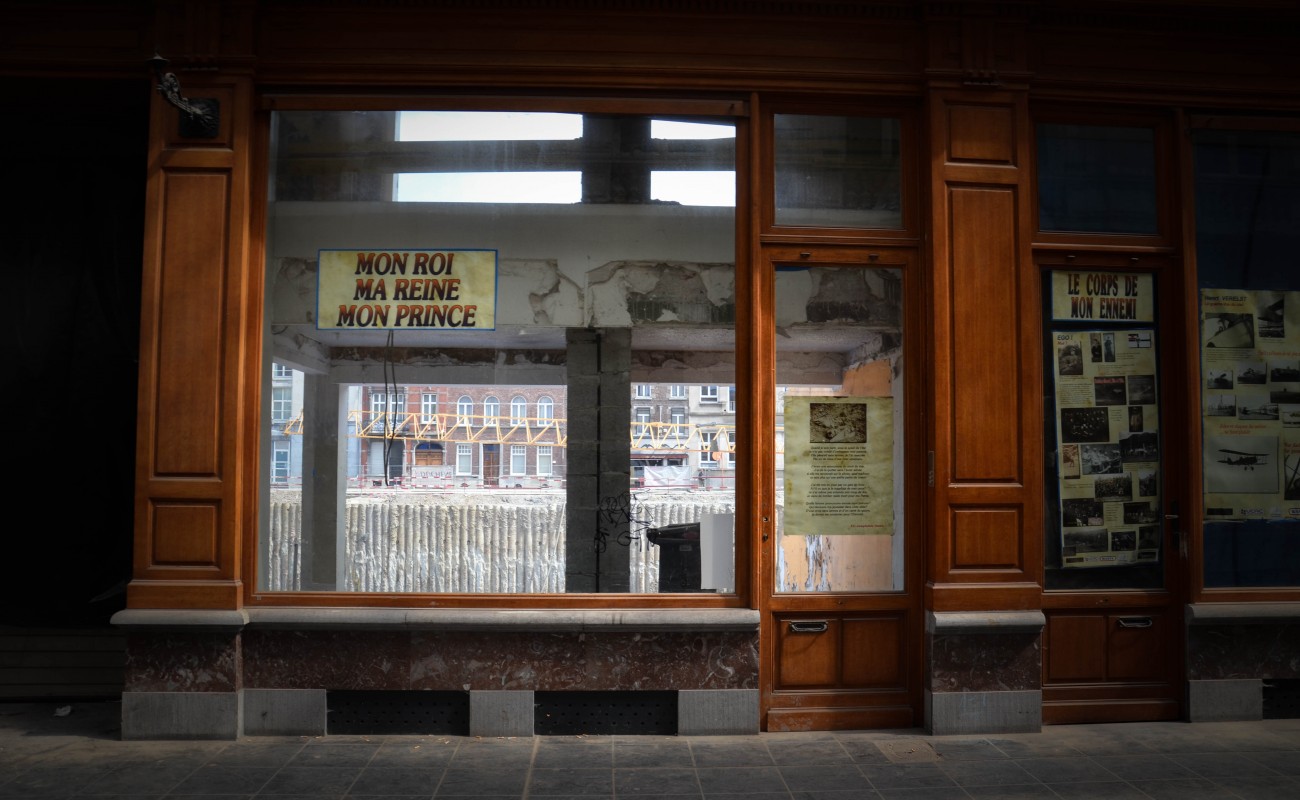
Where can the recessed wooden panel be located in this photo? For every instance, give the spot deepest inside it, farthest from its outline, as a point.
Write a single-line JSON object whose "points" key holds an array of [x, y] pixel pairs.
{"points": [[190, 300], [985, 341], [807, 659], [1076, 648], [184, 535], [1137, 647], [872, 654], [986, 538], [984, 134]]}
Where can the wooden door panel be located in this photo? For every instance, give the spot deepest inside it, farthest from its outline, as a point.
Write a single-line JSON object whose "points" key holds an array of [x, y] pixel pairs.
{"points": [[1137, 647], [873, 653], [1076, 648], [806, 656]]}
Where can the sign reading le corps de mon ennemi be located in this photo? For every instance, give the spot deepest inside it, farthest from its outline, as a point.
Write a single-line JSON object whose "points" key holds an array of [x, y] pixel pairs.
{"points": [[390, 289]]}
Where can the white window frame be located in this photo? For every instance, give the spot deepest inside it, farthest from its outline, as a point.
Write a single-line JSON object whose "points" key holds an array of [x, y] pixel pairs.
{"points": [[643, 391], [518, 410], [464, 459], [281, 403], [709, 394], [677, 391], [491, 410], [641, 416], [280, 456], [545, 410], [518, 459], [464, 410], [545, 460], [428, 407], [729, 458], [281, 372], [731, 399]]}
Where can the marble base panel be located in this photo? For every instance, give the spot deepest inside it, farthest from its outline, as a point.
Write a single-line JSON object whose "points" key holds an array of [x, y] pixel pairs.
{"points": [[1228, 652], [182, 662], [460, 661], [985, 662]]}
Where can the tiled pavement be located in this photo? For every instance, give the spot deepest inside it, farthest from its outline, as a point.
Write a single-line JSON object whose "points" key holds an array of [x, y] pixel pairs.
{"points": [[80, 754]]}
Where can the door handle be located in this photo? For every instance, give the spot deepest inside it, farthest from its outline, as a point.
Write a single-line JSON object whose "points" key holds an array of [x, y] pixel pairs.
{"points": [[809, 626], [1135, 622]]}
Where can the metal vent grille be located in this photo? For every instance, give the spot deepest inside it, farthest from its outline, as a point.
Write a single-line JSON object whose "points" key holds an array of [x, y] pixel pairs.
{"points": [[1282, 698], [397, 712], [639, 713]]}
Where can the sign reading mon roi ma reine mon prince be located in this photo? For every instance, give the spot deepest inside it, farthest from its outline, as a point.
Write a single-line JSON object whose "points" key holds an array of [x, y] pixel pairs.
{"points": [[422, 289]]}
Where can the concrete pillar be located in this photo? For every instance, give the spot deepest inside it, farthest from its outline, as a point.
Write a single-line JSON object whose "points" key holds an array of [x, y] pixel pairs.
{"points": [[324, 481]]}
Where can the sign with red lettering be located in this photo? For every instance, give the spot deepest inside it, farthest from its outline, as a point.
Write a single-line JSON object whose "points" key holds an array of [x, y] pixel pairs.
{"points": [[407, 289], [1103, 296]]}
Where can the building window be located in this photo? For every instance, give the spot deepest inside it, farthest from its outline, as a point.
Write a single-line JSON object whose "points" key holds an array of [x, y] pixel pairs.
{"points": [[281, 372], [677, 417], [281, 404], [729, 457], [642, 416], [838, 172], [677, 391], [731, 399], [280, 462], [428, 408], [447, 177], [708, 394], [464, 459], [491, 411]]}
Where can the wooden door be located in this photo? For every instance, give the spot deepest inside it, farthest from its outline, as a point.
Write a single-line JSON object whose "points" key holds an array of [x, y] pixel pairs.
{"points": [[1112, 647], [842, 613]]}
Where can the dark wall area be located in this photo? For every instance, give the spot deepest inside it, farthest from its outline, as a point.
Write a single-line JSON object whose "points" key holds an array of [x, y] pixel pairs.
{"points": [[75, 153]]}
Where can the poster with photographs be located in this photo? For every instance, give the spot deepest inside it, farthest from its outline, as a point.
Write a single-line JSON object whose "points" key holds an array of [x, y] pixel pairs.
{"points": [[1250, 390], [1108, 429], [839, 466]]}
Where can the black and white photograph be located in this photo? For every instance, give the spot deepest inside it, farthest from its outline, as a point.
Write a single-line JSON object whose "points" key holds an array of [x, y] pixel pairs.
{"points": [[1241, 464], [1101, 459], [1070, 461], [1290, 415], [1270, 315], [1229, 330], [1136, 419], [1144, 446], [1286, 394], [1069, 358], [1283, 372], [1148, 483], [1252, 373], [1123, 541], [1094, 340], [1092, 540], [1080, 512], [1114, 488], [1085, 425], [1221, 405], [1256, 407], [1140, 513], [837, 423], [1292, 469], [1108, 347], [1219, 378], [1108, 390], [1141, 389]]}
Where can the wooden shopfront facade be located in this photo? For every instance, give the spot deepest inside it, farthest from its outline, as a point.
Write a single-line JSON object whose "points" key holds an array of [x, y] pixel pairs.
{"points": [[966, 396]]}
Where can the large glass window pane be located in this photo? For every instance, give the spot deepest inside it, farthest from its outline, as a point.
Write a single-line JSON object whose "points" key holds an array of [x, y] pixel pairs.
{"points": [[467, 356], [1096, 179], [839, 436], [838, 172], [1247, 204]]}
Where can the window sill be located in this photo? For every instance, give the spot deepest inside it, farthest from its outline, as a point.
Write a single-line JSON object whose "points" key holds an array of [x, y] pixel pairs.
{"points": [[1242, 613], [545, 620]]}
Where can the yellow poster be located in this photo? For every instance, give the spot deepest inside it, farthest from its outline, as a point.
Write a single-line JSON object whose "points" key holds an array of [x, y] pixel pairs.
{"points": [[1101, 296], [1108, 427], [1250, 372], [407, 289], [839, 466]]}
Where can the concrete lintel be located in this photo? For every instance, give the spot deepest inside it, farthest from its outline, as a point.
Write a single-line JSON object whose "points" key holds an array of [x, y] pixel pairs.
{"points": [[977, 622], [509, 619], [1242, 613]]}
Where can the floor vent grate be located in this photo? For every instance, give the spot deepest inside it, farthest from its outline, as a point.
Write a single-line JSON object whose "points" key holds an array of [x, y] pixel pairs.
{"points": [[638, 713], [1282, 698], [397, 712]]}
